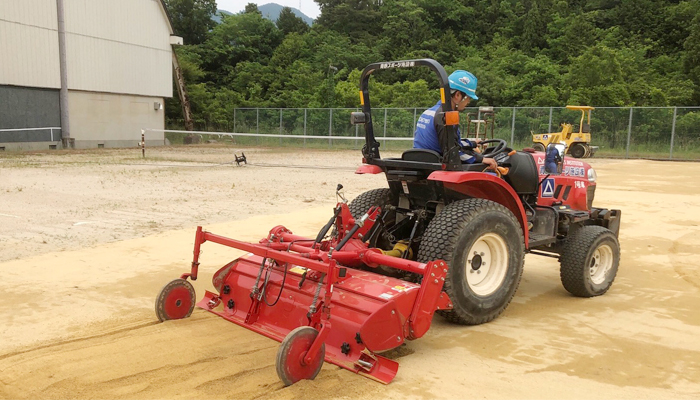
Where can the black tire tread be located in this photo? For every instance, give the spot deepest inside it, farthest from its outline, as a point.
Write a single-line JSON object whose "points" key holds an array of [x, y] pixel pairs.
{"points": [[574, 257], [375, 197], [439, 242], [574, 148]]}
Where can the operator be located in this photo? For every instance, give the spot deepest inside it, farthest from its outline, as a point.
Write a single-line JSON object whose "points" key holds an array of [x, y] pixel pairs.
{"points": [[428, 131], [553, 157]]}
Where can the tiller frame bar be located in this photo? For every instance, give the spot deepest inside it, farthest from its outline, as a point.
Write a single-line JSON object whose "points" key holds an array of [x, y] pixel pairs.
{"points": [[332, 264]]}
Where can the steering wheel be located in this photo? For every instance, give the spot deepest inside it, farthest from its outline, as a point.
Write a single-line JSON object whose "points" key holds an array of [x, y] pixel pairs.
{"points": [[491, 152]]}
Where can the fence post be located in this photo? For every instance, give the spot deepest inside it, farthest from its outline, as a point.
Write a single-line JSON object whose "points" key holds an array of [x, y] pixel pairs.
{"points": [[234, 119], [385, 113], [257, 125], [629, 134], [673, 131], [512, 130], [305, 126], [52, 132], [330, 128], [280, 125], [549, 128], [357, 127]]}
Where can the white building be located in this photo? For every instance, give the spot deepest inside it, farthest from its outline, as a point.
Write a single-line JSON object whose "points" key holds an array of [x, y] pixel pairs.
{"points": [[116, 60]]}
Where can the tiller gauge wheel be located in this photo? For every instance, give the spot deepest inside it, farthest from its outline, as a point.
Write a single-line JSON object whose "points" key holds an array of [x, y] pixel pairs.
{"points": [[175, 301], [291, 366]]}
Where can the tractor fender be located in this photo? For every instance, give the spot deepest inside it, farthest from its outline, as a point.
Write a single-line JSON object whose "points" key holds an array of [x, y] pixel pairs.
{"points": [[368, 169], [484, 186]]}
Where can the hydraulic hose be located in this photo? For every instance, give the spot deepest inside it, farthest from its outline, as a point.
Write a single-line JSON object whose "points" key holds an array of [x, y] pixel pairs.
{"points": [[354, 229], [327, 227]]}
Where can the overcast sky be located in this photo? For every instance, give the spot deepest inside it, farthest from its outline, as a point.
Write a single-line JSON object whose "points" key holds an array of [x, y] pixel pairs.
{"points": [[308, 7]]}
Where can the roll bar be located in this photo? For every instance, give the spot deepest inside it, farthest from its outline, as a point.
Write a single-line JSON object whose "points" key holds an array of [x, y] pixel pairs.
{"points": [[370, 151]]}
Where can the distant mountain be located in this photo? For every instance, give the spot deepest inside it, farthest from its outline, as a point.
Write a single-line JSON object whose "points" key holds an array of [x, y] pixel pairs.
{"points": [[270, 11], [217, 17]]}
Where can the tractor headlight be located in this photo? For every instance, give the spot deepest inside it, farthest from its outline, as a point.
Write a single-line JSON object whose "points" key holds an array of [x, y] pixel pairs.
{"points": [[592, 176]]}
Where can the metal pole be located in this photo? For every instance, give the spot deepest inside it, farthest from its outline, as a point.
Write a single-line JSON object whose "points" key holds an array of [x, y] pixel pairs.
{"points": [[143, 143], [305, 126], [330, 128], [63, 93], [629, 134], [257, 125], [357, 127], [385, 112], [280, 126], [234, 120], [512, 129], [673, 131], [52, 134], [549, 129]]}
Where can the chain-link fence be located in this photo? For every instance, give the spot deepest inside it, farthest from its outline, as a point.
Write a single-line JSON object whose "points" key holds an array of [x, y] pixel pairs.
{"points": [[637, 132]]}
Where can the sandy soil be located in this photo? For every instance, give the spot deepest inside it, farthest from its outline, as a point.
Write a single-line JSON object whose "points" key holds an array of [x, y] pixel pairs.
{"points": [[87, 240]]}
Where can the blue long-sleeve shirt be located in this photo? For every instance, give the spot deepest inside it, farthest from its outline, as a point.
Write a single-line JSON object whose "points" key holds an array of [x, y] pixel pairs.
{"points": [[427, 134]]}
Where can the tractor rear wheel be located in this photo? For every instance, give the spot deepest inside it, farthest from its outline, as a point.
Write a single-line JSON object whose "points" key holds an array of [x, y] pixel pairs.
{"points": [[538, 147], [375, 197], [577, 150], [589, 261], [482, 242]]}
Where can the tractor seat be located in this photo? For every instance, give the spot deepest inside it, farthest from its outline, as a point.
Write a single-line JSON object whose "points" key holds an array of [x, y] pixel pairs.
{"points": [[433, 157], [422, 155]]}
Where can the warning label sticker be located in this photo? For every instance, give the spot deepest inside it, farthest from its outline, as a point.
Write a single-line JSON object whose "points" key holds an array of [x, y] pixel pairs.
{"points": [[548, 187]]}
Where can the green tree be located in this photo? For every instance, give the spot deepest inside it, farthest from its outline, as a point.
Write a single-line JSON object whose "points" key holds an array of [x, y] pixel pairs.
{"points": [[239, 38], [251, 8], [356, 19], [287, 22], [533, 37], [595, 78], [191, 19], [691, 58]]}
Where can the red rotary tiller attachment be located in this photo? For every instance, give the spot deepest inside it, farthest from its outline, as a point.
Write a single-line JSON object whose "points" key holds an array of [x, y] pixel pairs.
{"points": [[319, 297]]}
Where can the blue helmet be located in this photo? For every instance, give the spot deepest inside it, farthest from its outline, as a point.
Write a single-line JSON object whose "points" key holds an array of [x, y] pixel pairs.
{"points": [[464, 82]]}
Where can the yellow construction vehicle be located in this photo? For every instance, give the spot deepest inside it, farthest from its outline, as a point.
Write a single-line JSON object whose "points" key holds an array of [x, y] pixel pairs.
{"points": [[578, 144]]}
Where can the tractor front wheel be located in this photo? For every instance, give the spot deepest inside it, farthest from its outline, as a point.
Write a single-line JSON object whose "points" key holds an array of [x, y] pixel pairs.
{"points": [[538, 147], [483, 245], [589, 261]]}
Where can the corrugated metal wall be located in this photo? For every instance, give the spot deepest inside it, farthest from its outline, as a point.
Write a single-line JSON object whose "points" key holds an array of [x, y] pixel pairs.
{"points": [[118, 47], [114, 120], [29, 43], [114, 46]]}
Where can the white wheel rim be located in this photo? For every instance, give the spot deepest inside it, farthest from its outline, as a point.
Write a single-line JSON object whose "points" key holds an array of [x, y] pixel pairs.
{"points": [[487, 264], [601, 263]]}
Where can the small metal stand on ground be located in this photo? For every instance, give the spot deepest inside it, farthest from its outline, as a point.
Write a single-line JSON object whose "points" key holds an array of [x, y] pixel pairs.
{"points": [[240, 159]]}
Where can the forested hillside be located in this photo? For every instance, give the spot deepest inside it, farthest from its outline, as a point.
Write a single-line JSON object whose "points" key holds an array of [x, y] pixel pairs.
{"points": [[524, 52]]}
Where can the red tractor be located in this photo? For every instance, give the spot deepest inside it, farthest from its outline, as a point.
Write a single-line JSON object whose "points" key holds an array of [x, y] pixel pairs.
{"points": [[444, 237]]}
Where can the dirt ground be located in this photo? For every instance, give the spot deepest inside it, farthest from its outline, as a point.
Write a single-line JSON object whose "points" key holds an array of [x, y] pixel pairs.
{"points": [[88, 239]]}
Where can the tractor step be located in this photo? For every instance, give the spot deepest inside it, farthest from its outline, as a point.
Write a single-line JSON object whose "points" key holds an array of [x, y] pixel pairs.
{"points": [[538, 239]]}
